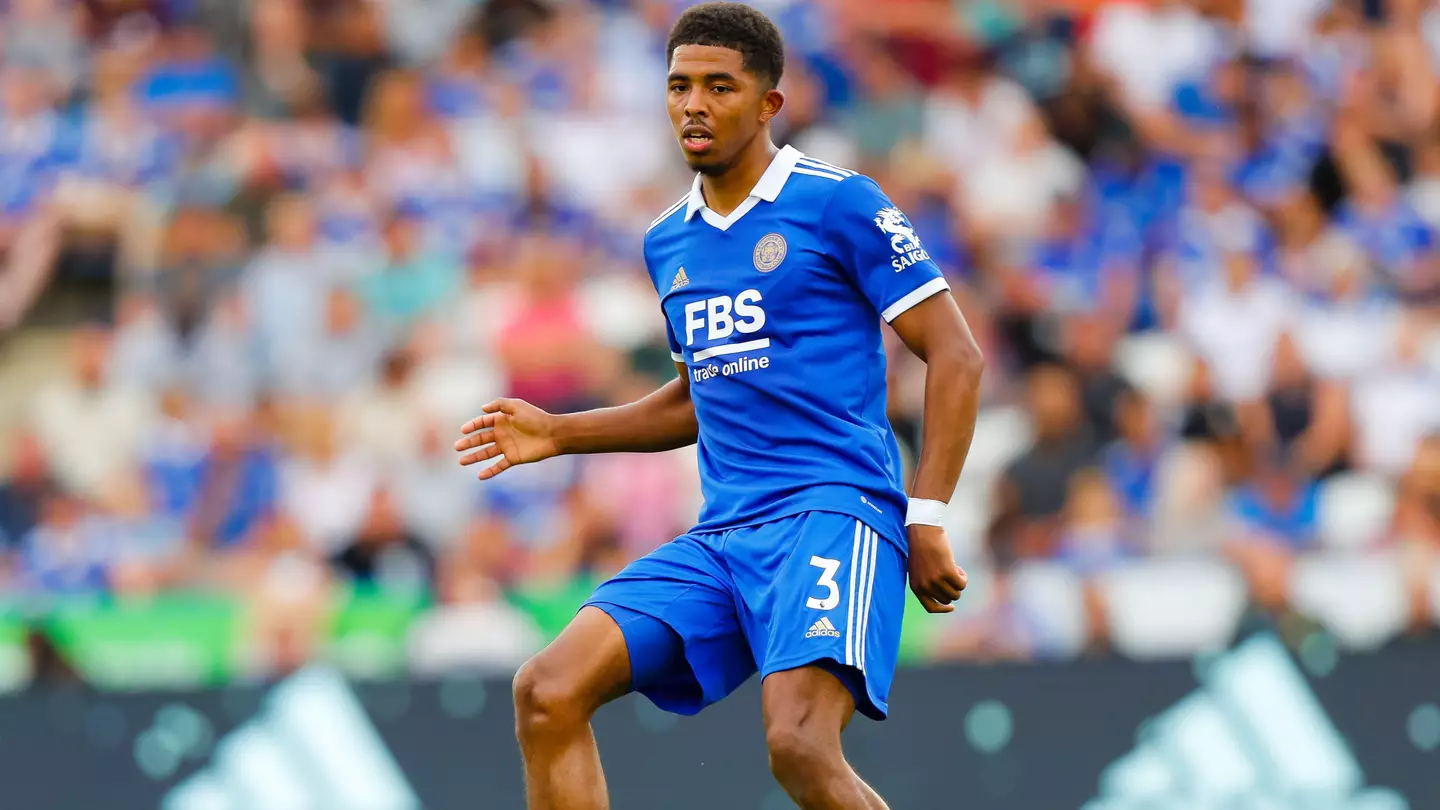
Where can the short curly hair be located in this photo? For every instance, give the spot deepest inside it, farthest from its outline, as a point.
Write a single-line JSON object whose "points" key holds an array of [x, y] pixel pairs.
{"points": [[735, 26]]}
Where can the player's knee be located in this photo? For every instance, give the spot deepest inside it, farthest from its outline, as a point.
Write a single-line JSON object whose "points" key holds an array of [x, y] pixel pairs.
{"points": [[800, 752], [547, 698]]}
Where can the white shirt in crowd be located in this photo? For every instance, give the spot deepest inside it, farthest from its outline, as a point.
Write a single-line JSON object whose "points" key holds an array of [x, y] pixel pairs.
{"points": [[92, 435], [963, 134], [327, 500], [1235, 332], [1394, 407], [1150, 51], [1340, 340]]}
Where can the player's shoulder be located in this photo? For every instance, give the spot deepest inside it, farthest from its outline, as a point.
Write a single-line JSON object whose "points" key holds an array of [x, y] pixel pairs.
{"points": [[671, 216], [812, 177], [821, 186]]}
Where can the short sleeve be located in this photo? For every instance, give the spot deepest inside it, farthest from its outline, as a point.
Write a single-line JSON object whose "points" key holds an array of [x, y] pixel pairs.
{"points": [[876, 246], [675, 352]]}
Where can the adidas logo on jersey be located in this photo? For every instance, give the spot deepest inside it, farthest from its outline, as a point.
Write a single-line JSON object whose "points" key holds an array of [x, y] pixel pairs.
{"points": [[822, 628], [681, 280]]}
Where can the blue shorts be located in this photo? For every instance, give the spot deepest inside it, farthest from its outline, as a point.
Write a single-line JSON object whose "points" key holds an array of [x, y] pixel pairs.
{"points": [[703, 613]]}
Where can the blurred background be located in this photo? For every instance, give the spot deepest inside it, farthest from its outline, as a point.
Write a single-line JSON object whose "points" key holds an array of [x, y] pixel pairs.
{"points": [[259, 260]]}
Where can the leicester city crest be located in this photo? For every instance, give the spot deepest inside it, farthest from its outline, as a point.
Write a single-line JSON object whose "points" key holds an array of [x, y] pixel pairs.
{"points": [[769, 252]]}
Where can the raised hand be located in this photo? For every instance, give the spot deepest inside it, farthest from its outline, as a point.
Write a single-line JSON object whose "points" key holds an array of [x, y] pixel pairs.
{"points": [[512, 430]]}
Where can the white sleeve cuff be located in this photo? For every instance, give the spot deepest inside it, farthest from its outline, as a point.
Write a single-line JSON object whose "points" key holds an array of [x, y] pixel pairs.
{"points": [[914, 297], [677, 357]]}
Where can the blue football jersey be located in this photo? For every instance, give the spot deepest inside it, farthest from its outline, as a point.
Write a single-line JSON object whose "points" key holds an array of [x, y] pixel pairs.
{"points": [[775, 310]]}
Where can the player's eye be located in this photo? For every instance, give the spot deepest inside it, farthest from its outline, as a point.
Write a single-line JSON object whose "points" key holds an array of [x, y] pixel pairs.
{"points": [[677, 88], [720, 88]]}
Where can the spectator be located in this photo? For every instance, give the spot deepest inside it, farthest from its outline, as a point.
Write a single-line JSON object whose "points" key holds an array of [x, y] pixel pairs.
{"points": [[1131, 461], [414, 281], [67, 553], [474, 629], [91, 431], [636, 499], [1012, 194], [1417, 511], [42, 35], [1345, 325], [1303, 417], [200, 260], [341, 358], [286, 282], [279, 74], [1394, 406], [890, 109], [1003, 629], [1190, 489], [547, 316], [384, 555], [1094, 536], [323, 486], [1034, 489], [286, 587], [1278, 506], [385, 422], [22, 492], [1423, 193], [1090, 350], [1274, 517], [1233, 322], [231, 490], [190, 87], [436, 497], [973, 113], [151, 544]]}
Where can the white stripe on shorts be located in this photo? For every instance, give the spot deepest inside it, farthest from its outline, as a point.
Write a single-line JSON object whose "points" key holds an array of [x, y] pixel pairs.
{"points": [[850, 603], [869, 594], [861, 600]]}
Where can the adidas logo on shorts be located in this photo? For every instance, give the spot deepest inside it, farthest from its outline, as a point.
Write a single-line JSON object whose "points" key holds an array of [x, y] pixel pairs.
{"points": [[822, 628]]}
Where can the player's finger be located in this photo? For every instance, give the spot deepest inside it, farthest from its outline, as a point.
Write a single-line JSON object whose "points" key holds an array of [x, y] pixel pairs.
{"points": [[480, 455], [500, 406], [478, 423], [959, 579], [942, 591], [476, 439], [494, 469], [932, 606]]}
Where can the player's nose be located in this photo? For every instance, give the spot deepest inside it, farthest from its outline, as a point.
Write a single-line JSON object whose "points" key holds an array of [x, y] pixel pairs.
{"points": [[695, 106]]}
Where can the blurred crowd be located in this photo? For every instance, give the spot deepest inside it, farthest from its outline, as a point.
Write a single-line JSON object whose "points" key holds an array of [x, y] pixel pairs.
{"points": [[1196, 239]]}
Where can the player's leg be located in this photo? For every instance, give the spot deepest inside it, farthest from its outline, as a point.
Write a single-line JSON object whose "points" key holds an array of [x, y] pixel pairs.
{"points": [[556, 692], [665, 627], [825, 595], [805, 711]]}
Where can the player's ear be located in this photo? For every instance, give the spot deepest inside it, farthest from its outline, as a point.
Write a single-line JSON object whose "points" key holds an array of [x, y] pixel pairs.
{"points": [[770, 105]]}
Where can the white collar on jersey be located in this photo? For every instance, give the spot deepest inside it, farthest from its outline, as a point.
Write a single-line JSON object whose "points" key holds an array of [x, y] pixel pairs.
{"points": [[767, 189]]}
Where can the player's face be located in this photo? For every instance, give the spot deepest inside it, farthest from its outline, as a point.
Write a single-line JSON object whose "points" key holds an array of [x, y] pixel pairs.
{"points": [[716, 107]]}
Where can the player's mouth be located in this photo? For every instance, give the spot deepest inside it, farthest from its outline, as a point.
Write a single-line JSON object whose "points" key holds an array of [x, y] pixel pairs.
{"points": [[696, 138]]}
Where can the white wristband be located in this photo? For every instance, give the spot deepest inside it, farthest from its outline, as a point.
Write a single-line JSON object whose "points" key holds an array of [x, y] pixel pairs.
{"points": [[925, 512]]}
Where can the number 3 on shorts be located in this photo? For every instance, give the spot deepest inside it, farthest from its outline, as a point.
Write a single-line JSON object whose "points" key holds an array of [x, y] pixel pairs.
{"points": [[827, 580]]}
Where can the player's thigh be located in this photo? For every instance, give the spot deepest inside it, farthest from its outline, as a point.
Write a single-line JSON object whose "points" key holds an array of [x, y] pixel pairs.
{"points": [[807, 702], [676, 608], [836, 603], [586, 666]]}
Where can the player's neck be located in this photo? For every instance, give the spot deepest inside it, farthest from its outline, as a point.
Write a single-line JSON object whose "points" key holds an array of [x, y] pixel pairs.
{"points": [[725, 191]]}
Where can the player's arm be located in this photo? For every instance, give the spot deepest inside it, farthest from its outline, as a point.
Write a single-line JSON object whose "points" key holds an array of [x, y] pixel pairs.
{"points": [[874, 242], [936, 332], [517, 432]]}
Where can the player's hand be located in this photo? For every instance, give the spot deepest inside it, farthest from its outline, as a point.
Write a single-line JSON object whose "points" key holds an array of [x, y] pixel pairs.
{"points": [[511, 429], [934, 577]]}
